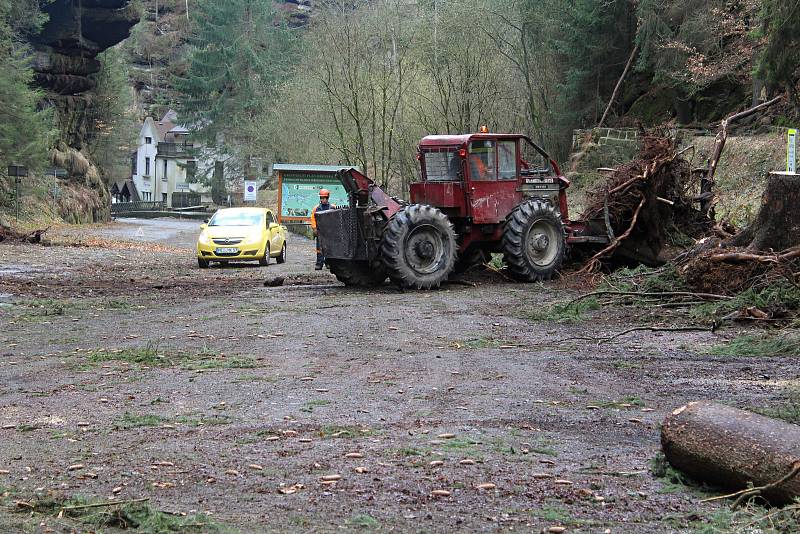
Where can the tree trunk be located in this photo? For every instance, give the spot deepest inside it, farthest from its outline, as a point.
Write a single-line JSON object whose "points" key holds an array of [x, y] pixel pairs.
{"points": [[777, 226], [730, 448]]}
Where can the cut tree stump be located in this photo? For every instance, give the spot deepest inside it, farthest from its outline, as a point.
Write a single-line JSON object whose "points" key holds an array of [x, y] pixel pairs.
{"points": [[777, 226], [731, 448]]}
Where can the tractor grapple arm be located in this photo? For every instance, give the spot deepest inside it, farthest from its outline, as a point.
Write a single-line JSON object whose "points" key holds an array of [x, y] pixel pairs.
{"points": [[367, 193]]}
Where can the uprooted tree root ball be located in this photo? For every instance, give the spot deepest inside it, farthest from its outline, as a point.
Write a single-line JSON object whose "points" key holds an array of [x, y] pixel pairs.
{"points": [[643, 201]]}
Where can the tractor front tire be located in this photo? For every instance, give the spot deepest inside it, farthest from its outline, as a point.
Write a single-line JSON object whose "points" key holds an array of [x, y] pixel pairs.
{"points": [[534, 241], [357, 273], [419, 247]]}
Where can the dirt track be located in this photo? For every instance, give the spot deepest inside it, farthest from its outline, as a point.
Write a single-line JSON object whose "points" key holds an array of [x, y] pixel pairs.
{"points": [[206, 391]]}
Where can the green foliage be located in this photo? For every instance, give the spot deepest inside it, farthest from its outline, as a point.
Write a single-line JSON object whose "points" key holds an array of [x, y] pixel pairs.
{"points": [[566, 312], [88, 514], [672, 480], [781, 56], [150, 355], [767, 344], [779, 295], [26, 132], [645, 279], [788, 410], [364, 521], [112, 126], [239, 53]]}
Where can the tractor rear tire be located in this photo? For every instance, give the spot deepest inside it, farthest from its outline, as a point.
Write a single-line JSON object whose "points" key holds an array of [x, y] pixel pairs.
{"points": [[419, 247], [534, 241], [358, 273]]}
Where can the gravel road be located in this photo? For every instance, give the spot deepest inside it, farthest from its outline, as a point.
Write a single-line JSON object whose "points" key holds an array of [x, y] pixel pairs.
{"points": [[311, 407]]}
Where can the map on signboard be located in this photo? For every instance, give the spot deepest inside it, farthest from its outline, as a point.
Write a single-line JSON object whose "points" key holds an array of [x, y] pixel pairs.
{"points": [[300, 193]]}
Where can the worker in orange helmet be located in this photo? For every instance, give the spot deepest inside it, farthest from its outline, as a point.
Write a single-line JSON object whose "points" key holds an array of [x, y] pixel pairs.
{"points": [[324, 205]]}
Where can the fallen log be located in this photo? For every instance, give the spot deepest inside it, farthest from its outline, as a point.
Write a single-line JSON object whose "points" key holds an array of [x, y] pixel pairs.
{"points": [[733, 448]]}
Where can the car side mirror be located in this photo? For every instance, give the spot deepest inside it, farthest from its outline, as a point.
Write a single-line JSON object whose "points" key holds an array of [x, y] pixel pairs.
{"points": [[272, 226], [203, 226]]}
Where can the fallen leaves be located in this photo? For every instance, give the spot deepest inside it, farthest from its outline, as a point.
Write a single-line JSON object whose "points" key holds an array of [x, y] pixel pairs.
{"points": [[440, 493], [75, 467]]}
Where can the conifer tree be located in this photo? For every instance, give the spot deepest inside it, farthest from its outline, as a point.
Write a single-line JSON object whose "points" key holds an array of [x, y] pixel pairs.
{"points": [[25, 130], [240, 50]]}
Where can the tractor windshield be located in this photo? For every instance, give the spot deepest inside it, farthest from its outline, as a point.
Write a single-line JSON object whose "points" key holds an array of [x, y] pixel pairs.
{"points": [[442, 165]]}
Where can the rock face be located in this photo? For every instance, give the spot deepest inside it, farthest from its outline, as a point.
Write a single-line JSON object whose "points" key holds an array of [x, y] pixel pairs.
{"points": [[65, 59]]}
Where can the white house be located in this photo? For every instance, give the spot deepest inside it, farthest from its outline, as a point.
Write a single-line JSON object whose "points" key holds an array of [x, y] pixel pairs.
{"points": [[163, 161]]}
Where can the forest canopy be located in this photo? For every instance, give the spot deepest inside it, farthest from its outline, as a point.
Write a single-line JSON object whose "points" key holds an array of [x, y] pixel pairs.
{"points": [[362, 81]]}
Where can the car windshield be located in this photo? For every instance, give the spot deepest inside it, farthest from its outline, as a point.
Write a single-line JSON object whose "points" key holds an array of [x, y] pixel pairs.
{"points": [[235, 218]]}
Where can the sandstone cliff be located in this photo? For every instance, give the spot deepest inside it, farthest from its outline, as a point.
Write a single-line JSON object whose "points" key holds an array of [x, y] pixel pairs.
{"points": [[65, 59]]}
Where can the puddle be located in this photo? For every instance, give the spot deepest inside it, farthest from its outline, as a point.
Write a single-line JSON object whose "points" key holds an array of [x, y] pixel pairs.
{"points": [[6, 300]]}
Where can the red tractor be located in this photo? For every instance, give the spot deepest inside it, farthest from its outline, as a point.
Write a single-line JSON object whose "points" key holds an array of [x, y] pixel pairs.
{"points": [[478, 195]]}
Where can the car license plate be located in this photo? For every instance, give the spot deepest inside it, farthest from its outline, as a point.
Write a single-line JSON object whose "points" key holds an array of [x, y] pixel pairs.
{"points": [[224, 250]]}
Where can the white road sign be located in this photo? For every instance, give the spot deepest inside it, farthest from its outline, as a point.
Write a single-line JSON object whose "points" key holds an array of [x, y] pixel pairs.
{"points": [[250, 191]]}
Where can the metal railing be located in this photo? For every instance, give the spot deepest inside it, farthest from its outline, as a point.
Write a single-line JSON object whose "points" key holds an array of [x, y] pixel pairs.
{"points": [[138, 205]]}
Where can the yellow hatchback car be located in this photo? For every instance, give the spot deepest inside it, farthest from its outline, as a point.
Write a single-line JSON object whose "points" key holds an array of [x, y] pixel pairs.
{"points": [[241, 234]]}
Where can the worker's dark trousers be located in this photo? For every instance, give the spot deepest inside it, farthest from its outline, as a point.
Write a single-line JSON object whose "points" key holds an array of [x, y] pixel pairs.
{"points": [[320, 257]]}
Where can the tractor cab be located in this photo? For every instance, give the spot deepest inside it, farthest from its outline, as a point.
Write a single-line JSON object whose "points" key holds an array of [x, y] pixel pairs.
{"points": [[481, 177]]}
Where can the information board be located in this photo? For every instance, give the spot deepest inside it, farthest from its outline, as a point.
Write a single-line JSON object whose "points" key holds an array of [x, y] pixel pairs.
{"points": [[300, 193]]}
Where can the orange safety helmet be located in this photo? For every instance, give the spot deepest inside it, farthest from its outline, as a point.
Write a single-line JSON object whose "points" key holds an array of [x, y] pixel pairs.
{"points": [[324, 193]]}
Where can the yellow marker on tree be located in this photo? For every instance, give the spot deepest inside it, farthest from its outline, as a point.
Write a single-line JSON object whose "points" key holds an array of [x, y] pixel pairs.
{"points": [[791, 152]]}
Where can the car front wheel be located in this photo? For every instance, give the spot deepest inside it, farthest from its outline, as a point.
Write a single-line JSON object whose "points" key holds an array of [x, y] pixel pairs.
{"points": [[265, 259], [203, 264], [282, 257]]}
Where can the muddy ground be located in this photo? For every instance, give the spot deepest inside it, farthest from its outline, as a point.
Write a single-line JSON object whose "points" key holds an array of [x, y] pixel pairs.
{"points": [[126, 372]]}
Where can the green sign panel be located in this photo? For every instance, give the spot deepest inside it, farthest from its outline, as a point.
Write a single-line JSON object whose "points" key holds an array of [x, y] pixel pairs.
{"points": [[300, 192]]}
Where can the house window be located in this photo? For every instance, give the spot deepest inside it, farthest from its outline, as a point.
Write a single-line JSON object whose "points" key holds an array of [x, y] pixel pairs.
{"points": [[164, 198], [134, 161], [165, 169], [147, 166], [148, 140]]}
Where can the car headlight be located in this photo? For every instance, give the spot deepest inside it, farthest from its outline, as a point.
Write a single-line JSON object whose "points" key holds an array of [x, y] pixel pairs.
{"points": [[204, 240], [254, 237]]}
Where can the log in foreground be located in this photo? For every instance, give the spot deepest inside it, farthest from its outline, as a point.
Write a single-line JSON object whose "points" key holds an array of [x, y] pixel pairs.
{"points": [[730, 448]]}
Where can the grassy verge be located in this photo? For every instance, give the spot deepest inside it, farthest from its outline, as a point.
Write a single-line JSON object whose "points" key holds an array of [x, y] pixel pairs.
{"points": [[129, 421], [151, 356], [766, 344]]}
